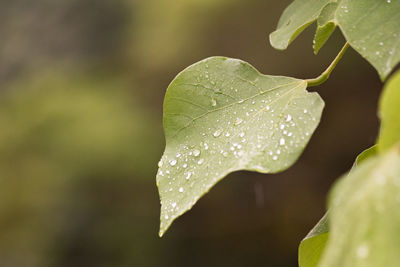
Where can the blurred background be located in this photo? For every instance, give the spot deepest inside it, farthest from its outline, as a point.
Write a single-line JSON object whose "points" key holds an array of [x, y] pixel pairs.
{"points": [[81, 92]]}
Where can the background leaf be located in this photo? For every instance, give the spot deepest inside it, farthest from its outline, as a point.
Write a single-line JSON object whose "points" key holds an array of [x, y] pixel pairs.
{"points": [[221, 115], [372, 27], [312, 246], [389, 114], [365, 215]]}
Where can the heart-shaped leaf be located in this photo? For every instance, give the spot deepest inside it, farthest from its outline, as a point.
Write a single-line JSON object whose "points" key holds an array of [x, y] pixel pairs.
{"points": [[221, 115]]}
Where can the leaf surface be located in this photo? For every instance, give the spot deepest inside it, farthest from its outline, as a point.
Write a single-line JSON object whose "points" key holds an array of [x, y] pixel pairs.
{"points": [[313, 245], [221, 115], [372, 27], [365, 215], [389, 113]]}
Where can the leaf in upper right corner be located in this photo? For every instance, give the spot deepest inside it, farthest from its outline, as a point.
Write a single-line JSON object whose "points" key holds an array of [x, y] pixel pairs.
{"points": [[389, 112], [372, 27], [365, 215]]}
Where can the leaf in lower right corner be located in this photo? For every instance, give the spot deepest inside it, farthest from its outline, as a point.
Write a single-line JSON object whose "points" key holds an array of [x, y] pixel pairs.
{"points": [[313, 245], [365, 215]]}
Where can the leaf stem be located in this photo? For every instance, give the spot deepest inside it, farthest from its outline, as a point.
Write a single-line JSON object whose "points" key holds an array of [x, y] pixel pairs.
{"points": [[325, 75]]}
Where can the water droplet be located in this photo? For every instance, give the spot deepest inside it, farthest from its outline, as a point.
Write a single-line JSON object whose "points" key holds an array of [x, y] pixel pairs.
{"points": [[205, 146], [160, 163], [362, 251], [196, 152], [225, 154], [188, 175], [166, 217], [213, 102], [289, 117], [241, 134], [227, 134], [178, 155], [388, 1], [241, 101], [275, 157], [184, 165], [267, 107], [305, 111], [217, 133], [289, 134], [282, 141], [238, 121], [200, 161], [180, 189], [172, 162], [173, 204]]}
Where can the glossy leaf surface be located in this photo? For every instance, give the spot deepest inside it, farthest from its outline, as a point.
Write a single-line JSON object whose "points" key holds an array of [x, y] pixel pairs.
{"points": [[221, 115]]}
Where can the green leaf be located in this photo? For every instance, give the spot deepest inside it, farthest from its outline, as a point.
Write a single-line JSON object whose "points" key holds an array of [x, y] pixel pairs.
{"points": [[372, 27], [221, 115], [389, 114], [366, 154], [312, 246], [365, 215], [296, 17], [326, 26]]}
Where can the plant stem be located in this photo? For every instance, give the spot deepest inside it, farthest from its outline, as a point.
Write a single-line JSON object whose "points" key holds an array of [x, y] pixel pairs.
{"points": [[325, 75]]}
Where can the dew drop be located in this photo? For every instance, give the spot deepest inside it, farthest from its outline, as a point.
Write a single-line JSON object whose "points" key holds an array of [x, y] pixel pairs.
{"points": [[160, 163], [184, 165], [180, 189], [188, 175], [362, 251], [241, 134], [282, 141], [196, 152], [275, 157], [238, 121], [289, 117], [173, 204], [213, 102], [166, 217], [205, 146], [217, 133], [172, 162], [200, 161]]}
